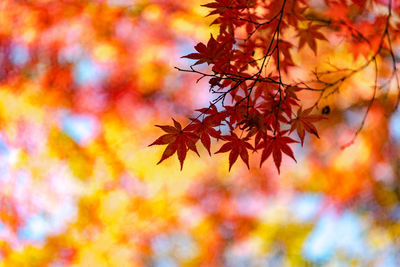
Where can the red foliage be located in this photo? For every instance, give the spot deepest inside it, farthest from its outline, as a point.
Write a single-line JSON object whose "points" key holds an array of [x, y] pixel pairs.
{"points": [[179, 140], [250, 61]]}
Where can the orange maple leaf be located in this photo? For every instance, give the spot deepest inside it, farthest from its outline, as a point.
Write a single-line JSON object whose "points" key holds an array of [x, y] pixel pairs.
{"points": [[309, 36]]}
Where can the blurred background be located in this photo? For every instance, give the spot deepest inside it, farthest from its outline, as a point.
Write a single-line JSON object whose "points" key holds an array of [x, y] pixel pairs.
{"points": [[82, 84]]}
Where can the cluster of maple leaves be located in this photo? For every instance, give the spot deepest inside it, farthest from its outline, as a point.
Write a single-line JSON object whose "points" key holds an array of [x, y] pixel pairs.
{"points": [[249, 59]]}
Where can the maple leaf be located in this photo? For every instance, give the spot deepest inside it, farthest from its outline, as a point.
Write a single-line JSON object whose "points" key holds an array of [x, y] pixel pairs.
{"points": [[309, 36], [303, 122], [291, 92], [237, 146], [337, 11], [229, 12], [275, 146], [212, 112], [177, 140], [206, 54], [285, 57], [272, 109], [204, 129]]}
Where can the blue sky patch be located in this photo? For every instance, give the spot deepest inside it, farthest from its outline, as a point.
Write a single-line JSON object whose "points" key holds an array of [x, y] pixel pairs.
{"points": [[81, 128]]}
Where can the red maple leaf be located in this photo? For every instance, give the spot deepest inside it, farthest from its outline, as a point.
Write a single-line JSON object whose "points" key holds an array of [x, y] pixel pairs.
{"points": [[228, 12], [179, 140], [276, 145], [204, 129], [303, 122], [206, 54], [237, 146]]}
